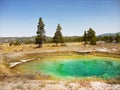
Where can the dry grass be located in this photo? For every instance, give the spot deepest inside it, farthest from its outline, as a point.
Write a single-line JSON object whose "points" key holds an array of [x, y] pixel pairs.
{"points": [[4, 70], [5, 48]]}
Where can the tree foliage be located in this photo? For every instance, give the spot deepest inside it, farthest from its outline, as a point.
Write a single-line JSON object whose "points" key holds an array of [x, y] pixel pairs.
{"points": [[89, 36], [40, 38], [110, 38], [117, 38], [15, 43], [58, 38], [85, 37]]}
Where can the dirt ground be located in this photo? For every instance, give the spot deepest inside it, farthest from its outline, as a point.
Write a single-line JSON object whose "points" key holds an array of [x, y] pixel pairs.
{"points": [[101, 47], [11, 53], [21, 84]]}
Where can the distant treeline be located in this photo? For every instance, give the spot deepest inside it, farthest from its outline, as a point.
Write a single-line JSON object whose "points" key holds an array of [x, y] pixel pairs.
{"points": [[66, 39], [109, 39], [24, 40], [30, 40]]}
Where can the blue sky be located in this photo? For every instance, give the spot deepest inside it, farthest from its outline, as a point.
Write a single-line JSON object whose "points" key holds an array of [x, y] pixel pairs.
{"points": [[20, 17]]}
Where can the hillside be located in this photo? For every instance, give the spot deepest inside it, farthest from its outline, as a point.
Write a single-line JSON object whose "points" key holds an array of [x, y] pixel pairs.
{"points": [[109, 34]]}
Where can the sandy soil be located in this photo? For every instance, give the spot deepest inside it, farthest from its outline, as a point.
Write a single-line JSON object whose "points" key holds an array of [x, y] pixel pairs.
{"points": [[21, 84]]}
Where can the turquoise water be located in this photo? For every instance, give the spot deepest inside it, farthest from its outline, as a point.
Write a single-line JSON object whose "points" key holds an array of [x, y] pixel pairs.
{"points": [[80, 67]]}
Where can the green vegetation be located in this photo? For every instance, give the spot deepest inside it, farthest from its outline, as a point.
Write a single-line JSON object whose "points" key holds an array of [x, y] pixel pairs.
{"points": [[40, 38], [117, 38], [58, 38], [89, 36], [85, 37], [15, 43], [73, 38], [110, 38]]}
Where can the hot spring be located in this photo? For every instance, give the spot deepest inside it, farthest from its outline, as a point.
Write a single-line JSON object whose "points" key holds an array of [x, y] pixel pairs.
{"points": [[65, 67]]}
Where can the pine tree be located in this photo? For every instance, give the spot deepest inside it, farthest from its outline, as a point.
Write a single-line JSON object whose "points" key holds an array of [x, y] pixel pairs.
{"points": [[58, 38], [93, 40], [110, 39], [40, 38], [85, 37], [117, 38], [91, 36]]}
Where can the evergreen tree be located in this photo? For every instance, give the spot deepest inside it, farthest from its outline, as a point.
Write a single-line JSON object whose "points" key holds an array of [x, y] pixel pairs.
{"points": [[93, 40], [85, 37], [58, 38], [91, 36], [40, 38], [110, 39], [117, 38]]}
